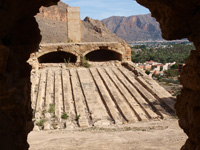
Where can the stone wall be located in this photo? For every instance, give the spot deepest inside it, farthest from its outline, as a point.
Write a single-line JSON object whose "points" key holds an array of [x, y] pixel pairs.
{"points": [[55, 12], [19, 37], [181, 19], [73, 24], [80, 50]]}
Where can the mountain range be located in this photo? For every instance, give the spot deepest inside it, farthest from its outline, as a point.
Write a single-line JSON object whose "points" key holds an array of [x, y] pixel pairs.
{"points": [[52, 23], [134, 28]]}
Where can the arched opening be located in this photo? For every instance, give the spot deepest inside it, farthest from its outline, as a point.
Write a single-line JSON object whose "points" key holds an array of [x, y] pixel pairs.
{"points": [[57, 57], [103, 55]]}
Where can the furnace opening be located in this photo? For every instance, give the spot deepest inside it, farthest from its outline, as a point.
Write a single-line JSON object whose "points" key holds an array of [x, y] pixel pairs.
{"points": [[57, 57], [103, 55]]}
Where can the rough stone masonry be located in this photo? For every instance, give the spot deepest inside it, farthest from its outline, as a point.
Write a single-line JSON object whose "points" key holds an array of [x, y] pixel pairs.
{"points": [[19, 37], [73, 24]]}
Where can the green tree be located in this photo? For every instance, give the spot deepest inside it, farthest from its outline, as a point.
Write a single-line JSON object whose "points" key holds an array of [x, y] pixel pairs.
{"points": [[171, 73], [172, 53], [175, 66], [147, 72], [161, 68]]}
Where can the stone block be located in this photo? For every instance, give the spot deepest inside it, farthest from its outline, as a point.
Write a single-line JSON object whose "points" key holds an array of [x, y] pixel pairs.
{"points": [[73, 24]]}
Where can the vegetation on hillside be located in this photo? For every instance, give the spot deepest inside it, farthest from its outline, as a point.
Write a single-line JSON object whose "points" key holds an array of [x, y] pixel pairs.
{"points": [[172, 71], [171, 53], [169, 76]]}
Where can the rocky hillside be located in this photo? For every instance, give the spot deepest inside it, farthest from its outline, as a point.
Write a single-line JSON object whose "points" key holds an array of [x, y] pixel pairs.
{"points": [[52, 23], [134, 28], [95, 30]]}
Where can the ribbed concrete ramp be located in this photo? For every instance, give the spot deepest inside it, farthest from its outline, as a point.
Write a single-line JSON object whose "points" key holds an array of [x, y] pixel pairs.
{"points": [[96, 96]]}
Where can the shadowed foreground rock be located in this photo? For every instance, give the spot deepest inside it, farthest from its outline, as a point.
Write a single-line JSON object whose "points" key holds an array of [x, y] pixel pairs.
{"points": [[180, 19], [19, 36]]}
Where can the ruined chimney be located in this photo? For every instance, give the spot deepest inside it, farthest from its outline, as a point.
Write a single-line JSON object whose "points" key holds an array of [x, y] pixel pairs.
{"points": [[73, 24]]}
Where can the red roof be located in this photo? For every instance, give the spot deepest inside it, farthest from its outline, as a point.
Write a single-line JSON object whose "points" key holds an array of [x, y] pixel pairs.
{"points": [[151, 61]]}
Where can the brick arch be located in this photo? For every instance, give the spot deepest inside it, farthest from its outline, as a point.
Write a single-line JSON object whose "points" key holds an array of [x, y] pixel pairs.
{"points": [[103, 55], [39, 54], [103, 48], [57, 57]]}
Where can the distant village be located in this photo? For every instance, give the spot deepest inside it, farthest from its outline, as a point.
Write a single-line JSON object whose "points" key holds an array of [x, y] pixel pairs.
{"points": [[154, 67], [157, 68]]}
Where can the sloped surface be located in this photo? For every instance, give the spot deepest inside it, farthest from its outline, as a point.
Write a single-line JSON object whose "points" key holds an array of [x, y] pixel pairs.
{"points": [[96, 96]]}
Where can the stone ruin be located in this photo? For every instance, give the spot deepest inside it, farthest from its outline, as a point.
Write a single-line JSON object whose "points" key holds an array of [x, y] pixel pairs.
{"points": [[75, 50], [73, 24], [20, 36], [111, 91]]}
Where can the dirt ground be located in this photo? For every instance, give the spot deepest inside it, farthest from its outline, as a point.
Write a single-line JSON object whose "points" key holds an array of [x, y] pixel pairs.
{"points": [[152, 135]]}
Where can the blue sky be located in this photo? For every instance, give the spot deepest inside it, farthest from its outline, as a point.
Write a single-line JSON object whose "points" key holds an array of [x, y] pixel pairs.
{"points": [[101, 9]]}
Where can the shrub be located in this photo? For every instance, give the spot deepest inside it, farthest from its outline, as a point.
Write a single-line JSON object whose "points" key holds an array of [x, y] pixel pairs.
{"points": [[78, 117], [175, 66], [84, 63], [147, 72], [40, 123], [177, 93], [171, 73], [67, 62], [161, 68], [64, 116], [43, 112], [157, 76], [51, 108]]}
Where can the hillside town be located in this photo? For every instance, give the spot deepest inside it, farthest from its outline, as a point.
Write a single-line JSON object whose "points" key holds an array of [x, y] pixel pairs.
{"points": [[154, 67]]}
